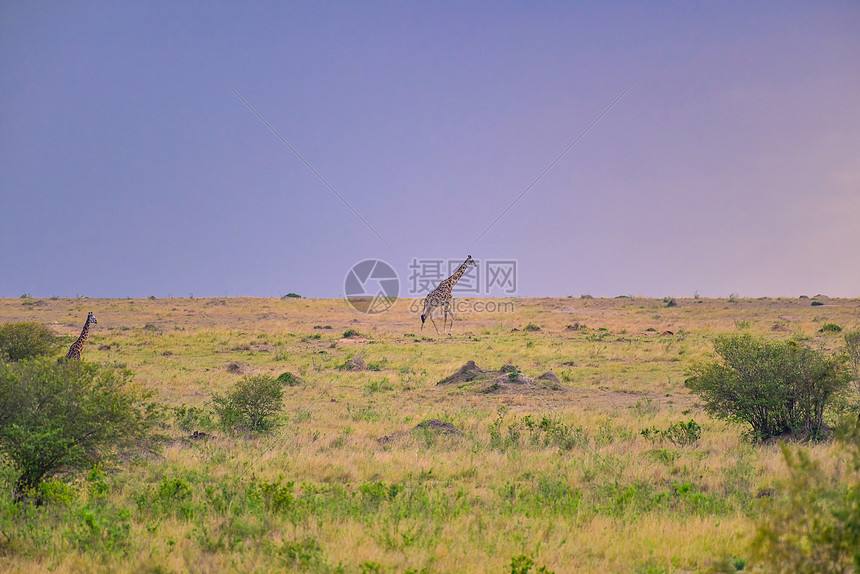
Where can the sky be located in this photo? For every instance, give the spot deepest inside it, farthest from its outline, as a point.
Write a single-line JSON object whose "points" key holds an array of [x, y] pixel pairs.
{"points": [[262, 148]]}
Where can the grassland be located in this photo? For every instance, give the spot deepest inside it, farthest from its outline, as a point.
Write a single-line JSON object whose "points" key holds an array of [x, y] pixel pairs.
{"points": [[562, 475]]}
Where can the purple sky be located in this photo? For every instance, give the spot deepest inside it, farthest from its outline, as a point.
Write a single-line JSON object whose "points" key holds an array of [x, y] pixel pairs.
{"points": [[129, 168]]}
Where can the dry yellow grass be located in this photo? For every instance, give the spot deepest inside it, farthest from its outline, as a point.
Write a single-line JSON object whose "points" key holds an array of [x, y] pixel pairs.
{"points": [[611, 503]]}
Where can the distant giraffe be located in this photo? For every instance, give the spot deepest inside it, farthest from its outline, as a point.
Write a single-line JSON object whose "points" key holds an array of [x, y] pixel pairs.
{"points": [[75, 349], [441, 297]]}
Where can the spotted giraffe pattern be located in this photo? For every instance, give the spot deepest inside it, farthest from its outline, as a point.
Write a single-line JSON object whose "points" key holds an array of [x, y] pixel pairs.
{"points": [[75, 349], [441, 297]]}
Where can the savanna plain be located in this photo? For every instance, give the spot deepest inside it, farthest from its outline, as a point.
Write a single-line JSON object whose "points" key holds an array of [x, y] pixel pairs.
{"points": [[382, 469]]}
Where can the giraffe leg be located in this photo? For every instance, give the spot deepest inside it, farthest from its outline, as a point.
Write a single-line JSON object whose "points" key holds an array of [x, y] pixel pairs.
{"points": [[432, 309], [450, 312], [449, 315], [426, 313]]}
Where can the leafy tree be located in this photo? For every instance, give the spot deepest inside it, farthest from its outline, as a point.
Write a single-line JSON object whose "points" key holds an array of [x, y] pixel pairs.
{"points": [[56, 418], [777, 387], [19, 341], [251, 405]]}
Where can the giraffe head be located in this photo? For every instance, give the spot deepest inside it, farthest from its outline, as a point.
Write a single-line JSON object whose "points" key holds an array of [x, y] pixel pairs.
{"points": [[92, 319], [471, 262]]}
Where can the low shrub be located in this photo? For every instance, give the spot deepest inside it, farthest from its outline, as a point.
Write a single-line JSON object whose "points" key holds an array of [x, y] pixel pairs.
{"points": [[191, 418], [20, 341], [852, 348], [56, 418], [682, 434], [815, 526], [252, 404], [830, 328], [305, 554], [289, 379], [523, 564], [779, 388], [679, 434]]}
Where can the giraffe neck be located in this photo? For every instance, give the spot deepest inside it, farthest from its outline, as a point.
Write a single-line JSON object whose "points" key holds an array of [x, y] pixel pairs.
{"points": [[85, 333], [452, 280], [75, 349]]}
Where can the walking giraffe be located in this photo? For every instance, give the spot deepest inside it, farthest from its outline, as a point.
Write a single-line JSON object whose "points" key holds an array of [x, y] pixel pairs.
{"points": [[441, 297], [75, 349]]}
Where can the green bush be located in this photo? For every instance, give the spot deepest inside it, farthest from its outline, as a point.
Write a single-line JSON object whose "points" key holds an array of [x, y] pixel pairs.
{"points": [[830, 328], [305, 554], [289, 379], [19, 341], [679, 434], [191, 418], [852, 347], [276, 497], [251, 405], [99, 526], [523, 564], [815, 525], [56, 418], [682, 434], [777, 387]]}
